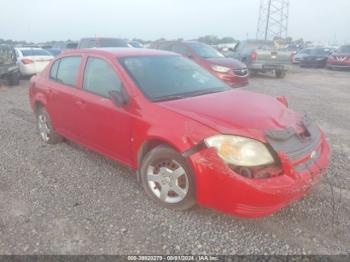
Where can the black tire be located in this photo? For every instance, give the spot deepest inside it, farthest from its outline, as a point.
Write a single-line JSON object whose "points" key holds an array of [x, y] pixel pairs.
{"points": [[280, 73], [52, 136], [253, 73], [163, 154], [13, 79]]}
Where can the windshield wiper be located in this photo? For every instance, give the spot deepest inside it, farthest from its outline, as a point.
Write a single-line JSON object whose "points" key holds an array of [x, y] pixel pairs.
{"points": [[169, 97], [204, 92]]}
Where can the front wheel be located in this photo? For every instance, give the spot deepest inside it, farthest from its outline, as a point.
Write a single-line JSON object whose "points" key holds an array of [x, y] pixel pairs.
{"points": [[46, 131], [167, 178]]}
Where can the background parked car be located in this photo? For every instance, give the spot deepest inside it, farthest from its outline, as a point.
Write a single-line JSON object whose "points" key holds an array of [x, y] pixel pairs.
{"points": [[298, 55], [92, 42], [262, 56], [230, 70], [54, 51], [8, 66], [135, 44], [32, 60], [315, 57], [340, 58]]}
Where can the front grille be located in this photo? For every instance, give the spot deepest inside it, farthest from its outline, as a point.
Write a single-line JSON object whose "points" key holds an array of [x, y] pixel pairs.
{"points": [[295, 145], [241, 71], [341, 58]]}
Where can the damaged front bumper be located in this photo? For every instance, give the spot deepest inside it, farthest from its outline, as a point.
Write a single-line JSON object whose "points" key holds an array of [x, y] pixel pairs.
{"points": [[221, 188]]}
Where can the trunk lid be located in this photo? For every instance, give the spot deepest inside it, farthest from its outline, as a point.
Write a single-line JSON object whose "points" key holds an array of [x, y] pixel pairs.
{"points": [[40, 62], [273, 56]]}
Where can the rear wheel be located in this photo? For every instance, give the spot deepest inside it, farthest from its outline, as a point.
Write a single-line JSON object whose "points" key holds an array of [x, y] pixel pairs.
{"points": [[280, 73], [13, 79], [167, 178], [253, 73], [46, 131]]}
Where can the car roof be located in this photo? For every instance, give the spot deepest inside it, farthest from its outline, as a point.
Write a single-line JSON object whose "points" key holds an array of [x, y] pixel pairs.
{"points": [[95, 38], [193, 42], [120, 51]]}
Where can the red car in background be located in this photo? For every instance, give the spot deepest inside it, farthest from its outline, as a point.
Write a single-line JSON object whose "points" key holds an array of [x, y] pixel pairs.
{"points": [[340, 59], [189, 137], [232, 71]]}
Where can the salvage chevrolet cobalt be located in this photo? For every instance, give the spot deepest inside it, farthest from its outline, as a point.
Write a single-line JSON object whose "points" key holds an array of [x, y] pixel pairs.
{"points": [[189, 137]]}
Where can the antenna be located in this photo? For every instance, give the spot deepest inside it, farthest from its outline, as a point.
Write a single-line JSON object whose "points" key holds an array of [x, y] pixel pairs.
{"points": [[273, 19]]}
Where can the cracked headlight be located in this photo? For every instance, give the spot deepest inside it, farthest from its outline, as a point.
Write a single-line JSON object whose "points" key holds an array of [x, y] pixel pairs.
{"points": [[220, 69], [240, 151]]}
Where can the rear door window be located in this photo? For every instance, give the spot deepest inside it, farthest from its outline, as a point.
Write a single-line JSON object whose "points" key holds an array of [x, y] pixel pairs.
{"points": [[68, 70], [100, 77], [54, 69]]}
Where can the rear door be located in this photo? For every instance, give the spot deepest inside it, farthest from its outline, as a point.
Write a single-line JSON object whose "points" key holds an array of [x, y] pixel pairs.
{"points": [[63, 95], [102, 125]]}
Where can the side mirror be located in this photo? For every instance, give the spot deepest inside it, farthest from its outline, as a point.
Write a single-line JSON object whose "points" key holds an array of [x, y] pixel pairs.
{"points": [[119, 98]]}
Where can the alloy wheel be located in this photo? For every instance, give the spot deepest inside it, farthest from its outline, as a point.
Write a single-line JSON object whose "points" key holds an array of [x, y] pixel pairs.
{"points": [[168, 181], [44, 128]]}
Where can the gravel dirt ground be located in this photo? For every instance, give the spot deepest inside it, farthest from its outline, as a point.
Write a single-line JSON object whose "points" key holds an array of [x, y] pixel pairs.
{"points": [[64, 199]]}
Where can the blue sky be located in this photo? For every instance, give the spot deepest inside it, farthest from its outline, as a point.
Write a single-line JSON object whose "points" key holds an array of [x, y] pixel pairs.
{"points": [[41, 20]]}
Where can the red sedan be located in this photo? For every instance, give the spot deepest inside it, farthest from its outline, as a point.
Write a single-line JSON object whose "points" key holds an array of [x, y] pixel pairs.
{"points": [[189, 137], [231, 71]]}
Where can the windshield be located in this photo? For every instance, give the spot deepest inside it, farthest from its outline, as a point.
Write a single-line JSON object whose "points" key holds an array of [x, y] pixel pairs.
{"points": [[35, 52], [344, 49], [170, 77], [205, 51], [320, 51], [111, 42], [261, 45], [304, 51]]}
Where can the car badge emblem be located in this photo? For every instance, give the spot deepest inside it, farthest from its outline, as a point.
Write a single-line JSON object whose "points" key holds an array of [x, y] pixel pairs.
{"points": [[341, 58]]}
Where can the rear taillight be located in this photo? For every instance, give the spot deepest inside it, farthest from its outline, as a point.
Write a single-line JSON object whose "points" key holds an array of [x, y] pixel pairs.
{"points": [[27, 61], [253, 56]]}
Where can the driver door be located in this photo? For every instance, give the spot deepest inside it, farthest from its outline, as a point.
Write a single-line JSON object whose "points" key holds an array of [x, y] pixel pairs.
{"points": [[103, 126]]}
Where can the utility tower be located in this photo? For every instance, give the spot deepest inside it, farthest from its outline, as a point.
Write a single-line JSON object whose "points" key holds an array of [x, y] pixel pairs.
{"points": [[273, 19]]}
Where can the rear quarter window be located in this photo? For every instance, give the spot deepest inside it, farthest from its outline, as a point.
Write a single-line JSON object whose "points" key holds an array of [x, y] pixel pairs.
{"points": [[54, 69]]}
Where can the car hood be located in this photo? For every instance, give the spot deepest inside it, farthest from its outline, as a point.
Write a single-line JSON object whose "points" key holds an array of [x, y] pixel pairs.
{"points": [[225, 61], [237, 112], [341, 54], [314, 56]]}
